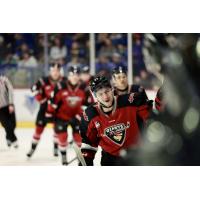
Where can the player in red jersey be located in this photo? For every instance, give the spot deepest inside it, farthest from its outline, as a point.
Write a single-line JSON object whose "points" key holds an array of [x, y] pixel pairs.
{"points": [[86, 77], [121, 86], [111, 122], [42, 90], [66, 103]]}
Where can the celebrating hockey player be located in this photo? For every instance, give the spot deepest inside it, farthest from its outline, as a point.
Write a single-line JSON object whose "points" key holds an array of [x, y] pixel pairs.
{"points": [[42, 91], [7, 111], [66, 103], [111, 123]]}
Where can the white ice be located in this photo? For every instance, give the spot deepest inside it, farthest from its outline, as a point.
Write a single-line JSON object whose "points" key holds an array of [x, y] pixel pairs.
{"points": [[43, 155]]}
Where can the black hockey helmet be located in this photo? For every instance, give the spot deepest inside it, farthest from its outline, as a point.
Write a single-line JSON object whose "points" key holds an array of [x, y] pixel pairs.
{"points": [[99, 82], [55, 64], [74, 69], [119, 69], [85, 69]]}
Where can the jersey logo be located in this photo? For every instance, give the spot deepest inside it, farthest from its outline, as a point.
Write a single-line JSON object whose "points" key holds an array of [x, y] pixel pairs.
{"points": [[73, 101], [117, 133], [131, 98]]}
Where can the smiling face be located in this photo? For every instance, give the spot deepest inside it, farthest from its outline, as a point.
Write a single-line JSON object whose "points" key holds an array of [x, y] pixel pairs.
{"points": [[120, 81], [105, 96]]}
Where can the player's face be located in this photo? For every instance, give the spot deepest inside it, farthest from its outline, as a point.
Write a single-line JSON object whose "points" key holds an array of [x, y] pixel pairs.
{"points": [[105, 96], [85, 77], [120, 81], [74, 78], [55, 73]]}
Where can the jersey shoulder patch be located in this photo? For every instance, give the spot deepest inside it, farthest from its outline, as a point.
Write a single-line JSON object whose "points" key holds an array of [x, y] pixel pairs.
{"points": [[131, 99], [90, 113], [122, 100]]}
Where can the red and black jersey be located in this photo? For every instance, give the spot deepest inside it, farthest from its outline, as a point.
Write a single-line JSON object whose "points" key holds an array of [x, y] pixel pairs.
{"points": [[117, 131], [67, 101], [43, 88], [132, 89]]}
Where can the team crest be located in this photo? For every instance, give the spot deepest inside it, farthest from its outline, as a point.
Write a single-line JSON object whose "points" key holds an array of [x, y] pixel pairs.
{"points": [[117, 132], [73, 101]]}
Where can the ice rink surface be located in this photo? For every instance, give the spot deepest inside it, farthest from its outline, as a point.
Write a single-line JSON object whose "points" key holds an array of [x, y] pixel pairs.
{"points": [[43, 155]]}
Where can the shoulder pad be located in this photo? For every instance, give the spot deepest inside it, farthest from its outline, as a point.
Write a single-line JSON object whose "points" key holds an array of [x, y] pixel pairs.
{"points": [[135, 88], [90, 113]]}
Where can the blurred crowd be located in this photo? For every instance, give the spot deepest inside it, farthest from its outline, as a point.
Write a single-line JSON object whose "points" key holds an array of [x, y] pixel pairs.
{"points": [[27, 51]]}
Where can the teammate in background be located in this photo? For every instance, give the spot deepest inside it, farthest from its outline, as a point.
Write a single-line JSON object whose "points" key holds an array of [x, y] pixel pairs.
{"points": [[111, 123], [66, 103], [86, 77], [42, 90], [121, 86], [7, 111]]}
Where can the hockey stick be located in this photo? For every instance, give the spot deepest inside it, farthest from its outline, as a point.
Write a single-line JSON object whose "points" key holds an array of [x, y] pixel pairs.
{"points": [[75, 146], [71, 161]]}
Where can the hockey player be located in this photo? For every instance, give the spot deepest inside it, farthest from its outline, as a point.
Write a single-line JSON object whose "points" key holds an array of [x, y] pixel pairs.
{"points": [[7, 111], [111, 122], [86, 77], [120, 81], [42, 90], [66, 103]]}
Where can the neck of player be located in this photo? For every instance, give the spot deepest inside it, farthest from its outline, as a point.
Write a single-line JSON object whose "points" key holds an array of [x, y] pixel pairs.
{"points": [[106, 109]]}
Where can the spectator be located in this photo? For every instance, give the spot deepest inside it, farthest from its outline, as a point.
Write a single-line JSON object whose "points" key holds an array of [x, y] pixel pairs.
{"points": [[74, 52], [140, 72], [27, 60], [108, 49], [2, 49], [74, 61], [10, 60], [118, 38], [40, 48], [21, 50], [117, 60], [103, 66], [58, 51]]}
